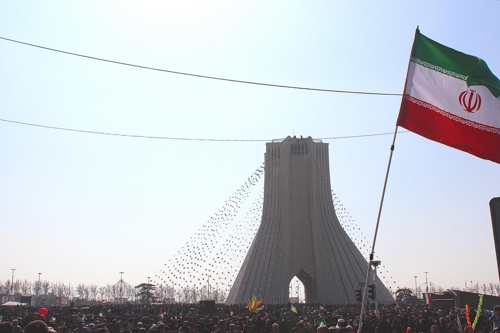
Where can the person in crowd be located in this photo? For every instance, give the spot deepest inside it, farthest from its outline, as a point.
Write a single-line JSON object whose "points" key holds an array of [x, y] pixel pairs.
{"points": [[5, 327], [15, 327], [452, 327], [435, 329], [232, 328], [322, 328], [36, 326], [275, 328], [495, 318]]}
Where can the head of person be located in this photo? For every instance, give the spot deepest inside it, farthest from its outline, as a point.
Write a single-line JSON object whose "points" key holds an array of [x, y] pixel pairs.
{"points": [[322, 328], [275, 328], [496, 310], [36, 326], [100, 329], [5, 327], [452, 327], [435, 329]]}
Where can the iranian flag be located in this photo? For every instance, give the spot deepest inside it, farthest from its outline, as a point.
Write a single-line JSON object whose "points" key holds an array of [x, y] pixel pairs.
{"points": [[452, 98]]}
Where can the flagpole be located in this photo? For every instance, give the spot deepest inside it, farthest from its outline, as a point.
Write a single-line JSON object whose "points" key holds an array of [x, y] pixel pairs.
{"points": [[365, 287], [368, 270]]}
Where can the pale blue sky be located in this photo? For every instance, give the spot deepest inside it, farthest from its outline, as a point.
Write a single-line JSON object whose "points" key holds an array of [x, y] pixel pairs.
{"points": [[80, 208]]}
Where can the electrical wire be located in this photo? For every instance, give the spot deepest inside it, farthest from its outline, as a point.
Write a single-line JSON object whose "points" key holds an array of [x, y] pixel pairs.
{"points": [[177, 138], [203, 76]]}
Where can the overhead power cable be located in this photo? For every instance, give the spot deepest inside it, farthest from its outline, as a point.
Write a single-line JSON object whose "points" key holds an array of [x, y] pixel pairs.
{"points": [[181, 139], [204, 76]]}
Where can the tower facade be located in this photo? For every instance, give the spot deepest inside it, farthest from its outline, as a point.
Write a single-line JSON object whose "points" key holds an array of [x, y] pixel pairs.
{"points": [[300, 234]]}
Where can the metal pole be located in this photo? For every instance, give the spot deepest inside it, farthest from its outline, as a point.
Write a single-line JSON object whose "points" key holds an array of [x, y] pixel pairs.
{"points": [[426, 283], [375, 289], [208, 287], [39, 285], [416, 292], [12, 284], [364, 296], [121, 287]]}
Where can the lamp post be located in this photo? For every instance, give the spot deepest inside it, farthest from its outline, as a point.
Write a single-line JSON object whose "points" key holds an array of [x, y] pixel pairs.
{"points": [[375, 264], [416, 291], [39, 285], [208, 288], [121, 287], [426, 283], [12, 284]]}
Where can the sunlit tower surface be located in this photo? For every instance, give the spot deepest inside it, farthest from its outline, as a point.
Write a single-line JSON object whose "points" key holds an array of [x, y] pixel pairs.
{"points": [[300, 234]]}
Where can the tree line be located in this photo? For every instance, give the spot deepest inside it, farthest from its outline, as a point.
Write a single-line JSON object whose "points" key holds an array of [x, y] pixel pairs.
{"points": [[111, 292]]}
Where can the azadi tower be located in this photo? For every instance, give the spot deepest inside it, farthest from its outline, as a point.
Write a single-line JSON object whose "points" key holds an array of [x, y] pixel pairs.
{"points": [[300, 234]]}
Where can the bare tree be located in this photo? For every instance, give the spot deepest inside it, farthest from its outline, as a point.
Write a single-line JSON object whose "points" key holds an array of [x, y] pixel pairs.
{"points": [[130, 292], [158, 291], [178, 294], [54, 288], [45, 287], [497, 289], [68, 291], [194, 294], [170, 292], [102, 292], [5, 288], [37, 287], [16, 287], [203, 293], [25, 287], [185, 294], [57, 289], [114, 291], [80, 290], [222, 296], [484, 288], [93, 292], [86, 292]]}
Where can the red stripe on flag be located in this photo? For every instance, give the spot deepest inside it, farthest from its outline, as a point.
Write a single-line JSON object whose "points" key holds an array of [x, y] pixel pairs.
{"points": [[438, 125]]}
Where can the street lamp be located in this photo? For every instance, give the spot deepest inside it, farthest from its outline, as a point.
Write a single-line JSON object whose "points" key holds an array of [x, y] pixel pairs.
{"points": [[39, 285], [375, 264], [426, 283], [121, 287], [416, 292], [12, 284]]}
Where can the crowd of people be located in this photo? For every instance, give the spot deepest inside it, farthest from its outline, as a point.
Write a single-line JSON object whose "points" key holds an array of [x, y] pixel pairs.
{"points": [[300, 318]]}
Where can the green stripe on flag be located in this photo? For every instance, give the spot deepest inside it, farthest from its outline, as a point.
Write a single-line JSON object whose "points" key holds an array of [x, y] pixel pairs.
{"points": [[435, 56]]}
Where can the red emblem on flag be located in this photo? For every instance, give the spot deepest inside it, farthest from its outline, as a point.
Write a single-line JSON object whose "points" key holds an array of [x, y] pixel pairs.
{"points": [[470, 100]]}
